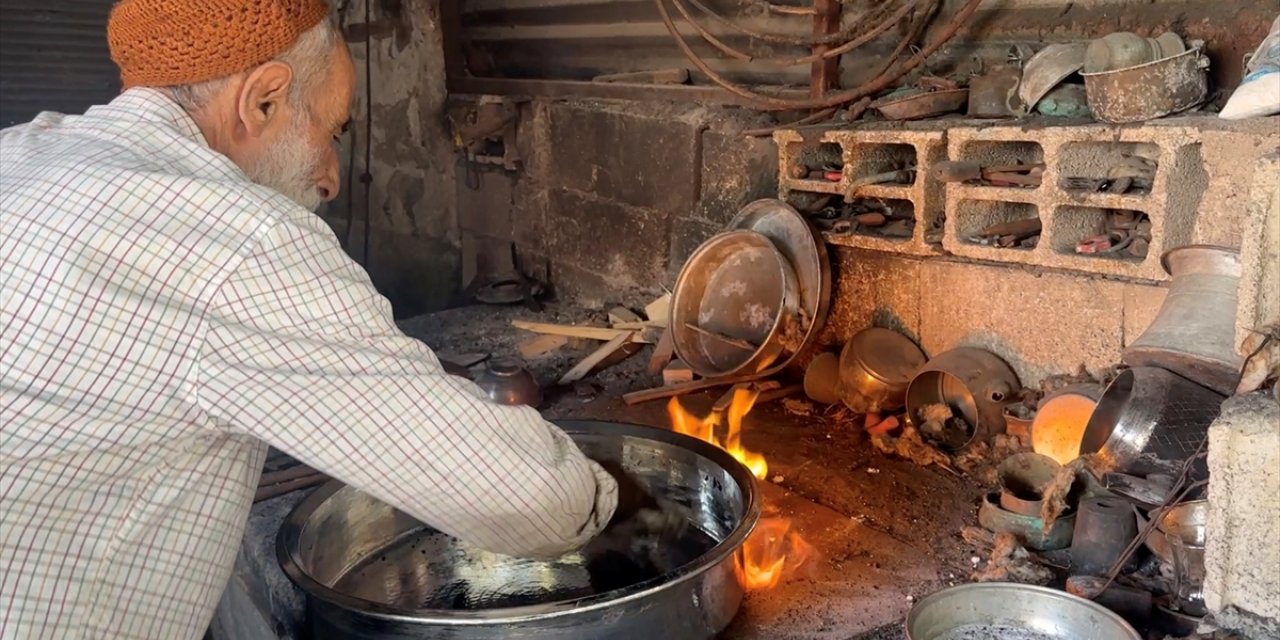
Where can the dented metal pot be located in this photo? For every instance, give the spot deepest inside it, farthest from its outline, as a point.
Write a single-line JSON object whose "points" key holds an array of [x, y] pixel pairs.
{"points": [[1150, 90], [975, 384]]}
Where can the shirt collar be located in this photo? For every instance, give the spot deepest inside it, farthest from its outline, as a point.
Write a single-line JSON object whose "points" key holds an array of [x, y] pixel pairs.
{"points": [[151, 105]]}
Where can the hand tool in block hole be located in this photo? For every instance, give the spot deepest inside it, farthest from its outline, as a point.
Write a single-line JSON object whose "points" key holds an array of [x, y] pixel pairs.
{"points": [[899, 176], [1028, 174], [1110, 242]]}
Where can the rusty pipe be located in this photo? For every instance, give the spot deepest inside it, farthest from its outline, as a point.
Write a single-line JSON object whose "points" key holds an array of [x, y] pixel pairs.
{"points": [[775, 103]]}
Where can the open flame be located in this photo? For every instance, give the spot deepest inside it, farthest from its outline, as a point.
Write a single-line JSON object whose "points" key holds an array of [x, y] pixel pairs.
{"points": [[774, 546]]}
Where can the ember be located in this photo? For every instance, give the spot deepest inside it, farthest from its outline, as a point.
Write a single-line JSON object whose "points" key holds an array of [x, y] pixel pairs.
{"points": [[774, 547]]}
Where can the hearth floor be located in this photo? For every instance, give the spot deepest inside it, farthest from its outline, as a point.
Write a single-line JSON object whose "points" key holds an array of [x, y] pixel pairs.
{"points": [[885, 531]]}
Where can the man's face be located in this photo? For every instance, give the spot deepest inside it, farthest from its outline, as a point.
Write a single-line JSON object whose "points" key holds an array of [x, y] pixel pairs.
{"points": [[297, 154]]}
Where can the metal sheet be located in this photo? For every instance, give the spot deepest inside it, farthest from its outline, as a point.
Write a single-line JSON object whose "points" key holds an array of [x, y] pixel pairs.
{"points": [[54, 57]]}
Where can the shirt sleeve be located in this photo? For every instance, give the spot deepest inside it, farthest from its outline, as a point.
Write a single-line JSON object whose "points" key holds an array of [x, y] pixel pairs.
{"points": [[301, 352]]}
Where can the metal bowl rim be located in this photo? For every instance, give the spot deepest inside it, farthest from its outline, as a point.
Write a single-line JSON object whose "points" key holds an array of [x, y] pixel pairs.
{"points": [[291, 528], [1189, 51], [1000, 587], [818, 248], [694, 260], [1225, 251]]}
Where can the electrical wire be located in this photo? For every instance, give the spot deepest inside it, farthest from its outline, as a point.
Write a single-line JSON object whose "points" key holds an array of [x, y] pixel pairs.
{"points": [[776, 103]]}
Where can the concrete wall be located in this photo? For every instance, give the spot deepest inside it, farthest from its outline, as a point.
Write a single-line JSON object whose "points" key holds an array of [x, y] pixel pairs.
{"points": [[1242, 554], [396, 213], [614, 196]]}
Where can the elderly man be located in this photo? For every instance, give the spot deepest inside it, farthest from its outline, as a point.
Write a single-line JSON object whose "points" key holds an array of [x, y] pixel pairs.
{"points": [[170, 305]]}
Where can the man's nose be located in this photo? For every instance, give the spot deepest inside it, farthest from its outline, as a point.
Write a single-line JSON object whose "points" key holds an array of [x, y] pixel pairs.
{"points": [[328, 184]]}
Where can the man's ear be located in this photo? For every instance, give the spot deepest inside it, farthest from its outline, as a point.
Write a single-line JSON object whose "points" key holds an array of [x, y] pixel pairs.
{"points": [[264, 92]]}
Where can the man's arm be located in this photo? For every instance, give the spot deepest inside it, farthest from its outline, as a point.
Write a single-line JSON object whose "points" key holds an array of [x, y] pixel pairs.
{"points": [[302, 352]]}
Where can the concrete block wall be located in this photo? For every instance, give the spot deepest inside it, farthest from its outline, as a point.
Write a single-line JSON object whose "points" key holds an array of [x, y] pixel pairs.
{"points": [[1047, 310], [613, 197], [868, 152], [1069, 216], [1242, 551]]}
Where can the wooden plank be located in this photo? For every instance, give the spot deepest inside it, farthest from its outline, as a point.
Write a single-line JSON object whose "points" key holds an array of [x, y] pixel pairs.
{"points": [[658, 312], [662, 353], [580, 370], [824, 75], [648, 395], [676, 372], [623, 315], [573, 331], [541, 345]]}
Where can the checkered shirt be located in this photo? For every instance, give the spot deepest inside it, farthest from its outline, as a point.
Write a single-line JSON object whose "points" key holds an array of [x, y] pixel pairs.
{"points": [[163, 319]]}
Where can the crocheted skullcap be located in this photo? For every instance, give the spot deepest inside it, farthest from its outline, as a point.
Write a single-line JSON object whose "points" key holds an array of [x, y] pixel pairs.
{"points": [[163, 43]]}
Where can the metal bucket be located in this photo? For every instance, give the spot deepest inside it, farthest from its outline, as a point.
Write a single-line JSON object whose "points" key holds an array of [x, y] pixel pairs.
{"points": [[976, 384], [1150, 421], [734, 302], [1193, 335], [1150, 90], [370, 571]]}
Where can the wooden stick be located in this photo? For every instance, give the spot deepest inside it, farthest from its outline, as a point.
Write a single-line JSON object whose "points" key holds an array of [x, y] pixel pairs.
{"points": [[647, 395], [777, 394], [733, 342], [662, 354], [572, 331], [580, 370]]}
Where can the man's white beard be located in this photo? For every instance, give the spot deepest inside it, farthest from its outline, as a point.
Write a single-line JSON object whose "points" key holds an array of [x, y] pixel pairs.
{"points": [[289, 166]]}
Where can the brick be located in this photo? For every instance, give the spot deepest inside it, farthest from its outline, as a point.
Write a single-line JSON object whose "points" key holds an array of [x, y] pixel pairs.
{"points": [[736, 170], [625, 244], [638, 160]]}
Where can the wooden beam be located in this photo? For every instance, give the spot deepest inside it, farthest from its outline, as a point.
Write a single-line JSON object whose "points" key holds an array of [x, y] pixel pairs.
{"points": [[825, 74]]}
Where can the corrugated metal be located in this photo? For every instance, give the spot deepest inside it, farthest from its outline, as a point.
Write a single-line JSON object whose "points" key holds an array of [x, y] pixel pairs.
{"points": [[53, 57], [580, 39]]}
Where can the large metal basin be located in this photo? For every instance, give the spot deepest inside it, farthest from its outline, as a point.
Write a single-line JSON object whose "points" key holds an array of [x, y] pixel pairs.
{"points": [[369, 571], [1013, 611]]}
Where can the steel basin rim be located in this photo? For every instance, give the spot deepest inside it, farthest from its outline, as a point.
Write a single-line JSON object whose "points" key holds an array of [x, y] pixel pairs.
{"points": [[724, 551], [1188, 52]]}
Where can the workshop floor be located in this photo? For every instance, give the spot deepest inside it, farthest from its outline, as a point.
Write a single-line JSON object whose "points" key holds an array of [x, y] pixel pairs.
{"points": [[885, 531]]}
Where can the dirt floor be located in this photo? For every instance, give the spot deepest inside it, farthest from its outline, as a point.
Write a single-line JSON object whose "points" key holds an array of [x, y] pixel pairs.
{"points": [[886, 530]]}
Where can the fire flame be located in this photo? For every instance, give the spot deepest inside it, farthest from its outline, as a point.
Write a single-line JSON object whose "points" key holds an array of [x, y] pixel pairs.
{"points": [[774, 546]]}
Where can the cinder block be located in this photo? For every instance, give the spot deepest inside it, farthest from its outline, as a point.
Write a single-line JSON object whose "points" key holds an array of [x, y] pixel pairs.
{"points": [[1258, 296], [626, 244], [1067, 214], [866, 152], [639, 159], [872, 289], [1242, 551], [736, 170], [1040, 323], [686, 235]]}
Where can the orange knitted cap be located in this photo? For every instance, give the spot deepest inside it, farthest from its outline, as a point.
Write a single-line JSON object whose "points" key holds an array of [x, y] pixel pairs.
{"points": [[162, 43]]}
